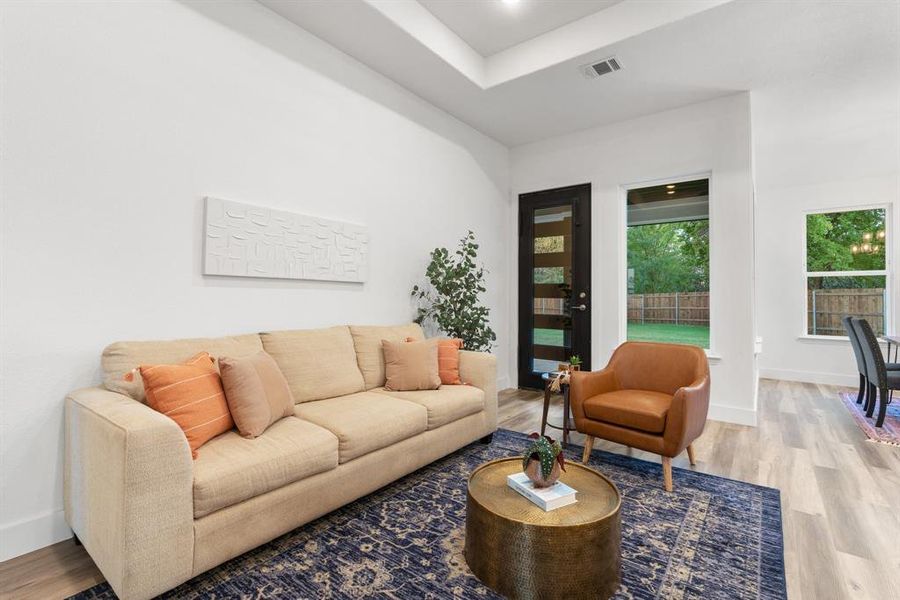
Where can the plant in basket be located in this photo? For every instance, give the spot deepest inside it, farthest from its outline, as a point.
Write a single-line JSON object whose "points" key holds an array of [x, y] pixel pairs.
{"points": [[543, 461]]}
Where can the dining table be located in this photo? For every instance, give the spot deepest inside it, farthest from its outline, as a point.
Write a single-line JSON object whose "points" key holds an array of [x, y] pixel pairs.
{"points": [[892, 340]]}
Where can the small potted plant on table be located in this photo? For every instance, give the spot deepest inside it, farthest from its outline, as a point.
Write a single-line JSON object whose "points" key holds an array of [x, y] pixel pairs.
{"points": [[543, 461]]}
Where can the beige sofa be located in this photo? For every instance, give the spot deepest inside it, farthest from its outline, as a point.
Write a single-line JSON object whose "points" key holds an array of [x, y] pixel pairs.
{"points": [[152, 518]]}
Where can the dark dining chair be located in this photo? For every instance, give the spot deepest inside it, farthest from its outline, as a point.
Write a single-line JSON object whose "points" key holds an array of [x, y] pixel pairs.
{"points": [[860, 361], [876, 371]]}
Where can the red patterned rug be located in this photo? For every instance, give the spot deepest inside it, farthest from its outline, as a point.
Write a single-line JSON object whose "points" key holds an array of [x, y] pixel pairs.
{"points": [[889, 433]]}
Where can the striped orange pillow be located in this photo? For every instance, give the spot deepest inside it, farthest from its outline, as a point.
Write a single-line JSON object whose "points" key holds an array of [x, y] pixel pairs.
{"points": [[190, 394], [448, 359]]}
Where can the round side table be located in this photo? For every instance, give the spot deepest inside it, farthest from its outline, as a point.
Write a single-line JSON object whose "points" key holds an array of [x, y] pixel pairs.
{"points": [[520, 551]]}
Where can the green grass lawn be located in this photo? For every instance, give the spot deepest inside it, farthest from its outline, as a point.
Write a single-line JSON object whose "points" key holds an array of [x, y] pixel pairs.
{"points": [[648, 332], [666, 332], [548, 337]]}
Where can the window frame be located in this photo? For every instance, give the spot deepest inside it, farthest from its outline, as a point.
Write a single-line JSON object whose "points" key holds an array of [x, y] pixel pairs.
{"points": [[711, 352], [886, 272]]}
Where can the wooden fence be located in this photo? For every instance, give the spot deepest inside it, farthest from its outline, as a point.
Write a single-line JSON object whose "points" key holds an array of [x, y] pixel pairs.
{"points": [[825, 308], [549, 306], [677, 308]]}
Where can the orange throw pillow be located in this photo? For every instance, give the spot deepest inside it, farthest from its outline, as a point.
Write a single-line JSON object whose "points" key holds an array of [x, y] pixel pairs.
{"points": [[448, 360], [190, 394]]}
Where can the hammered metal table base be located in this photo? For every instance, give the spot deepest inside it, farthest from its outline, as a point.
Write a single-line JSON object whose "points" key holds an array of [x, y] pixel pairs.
{"points": [[520, 551]]}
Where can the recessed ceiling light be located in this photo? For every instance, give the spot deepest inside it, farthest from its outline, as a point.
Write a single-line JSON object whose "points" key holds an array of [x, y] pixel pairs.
{"points": [[671, 186], [671, 192]]}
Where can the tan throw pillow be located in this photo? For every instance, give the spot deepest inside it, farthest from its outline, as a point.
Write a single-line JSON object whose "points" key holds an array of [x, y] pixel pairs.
{"points": [[410, 366], [257, 393]]}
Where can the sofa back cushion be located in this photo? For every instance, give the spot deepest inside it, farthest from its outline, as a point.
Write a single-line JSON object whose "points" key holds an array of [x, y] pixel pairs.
{"points": [[367, 342], [317, 363], [120, 358]]}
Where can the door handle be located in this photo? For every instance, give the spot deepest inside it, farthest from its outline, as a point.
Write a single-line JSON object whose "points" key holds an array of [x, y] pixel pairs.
{"points": [[580, 307]]}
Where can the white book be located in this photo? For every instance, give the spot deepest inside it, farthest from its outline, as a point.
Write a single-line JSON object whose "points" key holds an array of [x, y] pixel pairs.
{"points": [[548, 498]]}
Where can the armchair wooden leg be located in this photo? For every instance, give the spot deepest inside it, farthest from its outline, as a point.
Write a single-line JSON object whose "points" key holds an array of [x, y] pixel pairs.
{"points": [[667, 472], [588, 446], [691, 458]]}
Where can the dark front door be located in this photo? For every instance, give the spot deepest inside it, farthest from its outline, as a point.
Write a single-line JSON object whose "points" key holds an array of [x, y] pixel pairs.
{"points": [[554, 281]]}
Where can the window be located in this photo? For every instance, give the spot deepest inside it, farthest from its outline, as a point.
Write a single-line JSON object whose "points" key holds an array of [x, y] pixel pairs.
{"points": [[846, 270], [668, 263]]}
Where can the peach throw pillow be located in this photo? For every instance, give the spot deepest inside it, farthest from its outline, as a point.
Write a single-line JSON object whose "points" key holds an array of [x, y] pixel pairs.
{"points": [[448, 359], [258, 395], [410, 366], [190, 394]]}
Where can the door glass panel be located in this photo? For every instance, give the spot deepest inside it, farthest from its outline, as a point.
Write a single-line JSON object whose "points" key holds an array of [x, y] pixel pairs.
{"points": [[549, 275], [552, 317]]}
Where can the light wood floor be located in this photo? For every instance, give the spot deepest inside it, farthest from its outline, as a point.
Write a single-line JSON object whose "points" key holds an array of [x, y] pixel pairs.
{"points": [[840, 495]]}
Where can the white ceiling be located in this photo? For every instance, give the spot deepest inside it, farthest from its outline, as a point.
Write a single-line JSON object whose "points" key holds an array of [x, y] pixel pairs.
{"points": [[673, 52], [489, 26]]}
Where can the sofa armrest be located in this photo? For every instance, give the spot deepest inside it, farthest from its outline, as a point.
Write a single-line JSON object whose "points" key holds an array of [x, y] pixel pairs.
{"points": [[128, 488], [587, 384], [687, 416], [479, 369]]}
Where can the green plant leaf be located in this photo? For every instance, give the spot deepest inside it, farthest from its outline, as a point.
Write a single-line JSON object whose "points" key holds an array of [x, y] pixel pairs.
{"points": [[453, 303]]}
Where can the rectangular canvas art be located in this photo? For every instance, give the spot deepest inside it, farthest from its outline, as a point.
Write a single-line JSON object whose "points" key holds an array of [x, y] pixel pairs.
{"points": [[243, 240]]}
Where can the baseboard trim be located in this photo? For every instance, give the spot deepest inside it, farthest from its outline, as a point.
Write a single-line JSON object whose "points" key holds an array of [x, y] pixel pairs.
{"points": [[502, 383], [26, 536], [730, 414], [810, 377]]}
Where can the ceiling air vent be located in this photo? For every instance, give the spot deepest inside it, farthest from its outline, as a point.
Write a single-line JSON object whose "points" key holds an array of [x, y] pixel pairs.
{"points": [[603, 67]]}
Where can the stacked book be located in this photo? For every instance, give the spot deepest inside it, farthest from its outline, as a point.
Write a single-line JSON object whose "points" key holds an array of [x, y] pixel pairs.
{"points": [[548, 498]]}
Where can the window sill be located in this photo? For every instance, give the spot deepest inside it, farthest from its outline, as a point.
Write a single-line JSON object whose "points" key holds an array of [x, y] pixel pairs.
{"points": [[830, 339], [712, 357], [823, 338]]}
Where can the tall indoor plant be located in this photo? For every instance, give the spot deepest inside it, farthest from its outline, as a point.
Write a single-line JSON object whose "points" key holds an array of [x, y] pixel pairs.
{"points": [[451, 300]]}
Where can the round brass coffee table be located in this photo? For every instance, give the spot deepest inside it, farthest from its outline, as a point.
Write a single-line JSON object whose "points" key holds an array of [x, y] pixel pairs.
{"points": [[520, 551]]}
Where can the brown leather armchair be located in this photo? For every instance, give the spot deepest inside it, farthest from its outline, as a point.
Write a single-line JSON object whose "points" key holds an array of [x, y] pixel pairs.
{"points": [[650, 396]]}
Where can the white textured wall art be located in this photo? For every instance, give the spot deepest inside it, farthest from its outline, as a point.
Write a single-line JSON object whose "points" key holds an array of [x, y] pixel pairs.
{"points": [[251, 241]]}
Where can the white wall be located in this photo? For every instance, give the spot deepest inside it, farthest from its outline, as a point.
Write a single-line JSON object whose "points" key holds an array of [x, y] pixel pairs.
{"points": [[821, 143], [711, 137], [117, 118]]}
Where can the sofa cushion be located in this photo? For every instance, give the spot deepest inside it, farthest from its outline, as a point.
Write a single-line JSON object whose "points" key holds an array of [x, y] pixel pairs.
{"points": [[366, 421], [121, 357], [367, 341], [317, 363], [444, 405], [230, 468], [635, 409]]}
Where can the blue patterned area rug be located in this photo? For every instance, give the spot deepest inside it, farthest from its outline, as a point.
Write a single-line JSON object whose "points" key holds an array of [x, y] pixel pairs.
{"points": [[710, 538]]}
